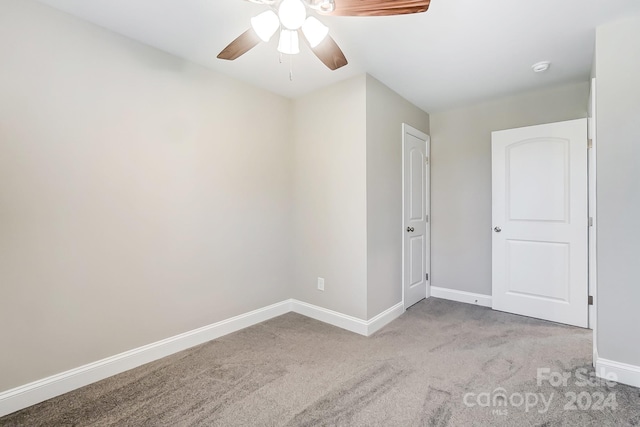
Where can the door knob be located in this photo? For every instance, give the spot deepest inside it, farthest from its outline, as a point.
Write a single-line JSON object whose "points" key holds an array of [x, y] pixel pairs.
{"points": [[497, 229], [410, 229]]}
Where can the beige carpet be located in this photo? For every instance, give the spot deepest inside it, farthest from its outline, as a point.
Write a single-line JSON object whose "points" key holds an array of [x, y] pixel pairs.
{"points": [[440, 364]]}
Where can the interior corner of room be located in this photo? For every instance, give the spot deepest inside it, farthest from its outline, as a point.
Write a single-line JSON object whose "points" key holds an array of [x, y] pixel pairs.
{"points": [[149, 204]]}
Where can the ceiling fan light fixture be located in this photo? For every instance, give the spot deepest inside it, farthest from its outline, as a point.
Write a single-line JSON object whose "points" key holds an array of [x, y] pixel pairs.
{"points": [[265, 25], [315, 31], [289, 43], [292, 14]]}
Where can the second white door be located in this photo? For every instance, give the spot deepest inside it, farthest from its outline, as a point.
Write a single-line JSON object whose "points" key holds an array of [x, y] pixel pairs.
{"points": [[540, 258], [416, 215]]}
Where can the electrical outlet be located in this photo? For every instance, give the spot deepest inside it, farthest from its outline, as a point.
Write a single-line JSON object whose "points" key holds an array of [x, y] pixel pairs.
{"points": [[320, 284]]}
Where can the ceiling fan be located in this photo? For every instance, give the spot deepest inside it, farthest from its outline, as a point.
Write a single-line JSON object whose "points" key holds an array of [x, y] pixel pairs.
{"points": [[291, 17]]}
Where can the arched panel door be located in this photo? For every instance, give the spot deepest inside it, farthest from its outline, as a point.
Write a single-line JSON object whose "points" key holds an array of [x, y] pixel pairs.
{"points": [[540, 222]]}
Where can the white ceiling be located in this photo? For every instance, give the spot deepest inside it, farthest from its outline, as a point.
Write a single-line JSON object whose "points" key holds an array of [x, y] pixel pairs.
{"points": [[457, 53]]}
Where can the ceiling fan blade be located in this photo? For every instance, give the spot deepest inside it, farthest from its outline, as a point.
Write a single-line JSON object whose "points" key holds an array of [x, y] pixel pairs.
{"points": [[244, 43], [328, 52], [378, 7]]}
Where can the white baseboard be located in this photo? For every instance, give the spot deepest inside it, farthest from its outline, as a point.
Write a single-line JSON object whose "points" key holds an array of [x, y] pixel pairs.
{"points": [[461, 296], [55, 385], [383, 319], [331, 317], [620, 372], [350, 323]]}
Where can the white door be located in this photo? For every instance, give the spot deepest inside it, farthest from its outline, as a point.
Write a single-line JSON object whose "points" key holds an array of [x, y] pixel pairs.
{"points": [[540, 221], [415, 149]]}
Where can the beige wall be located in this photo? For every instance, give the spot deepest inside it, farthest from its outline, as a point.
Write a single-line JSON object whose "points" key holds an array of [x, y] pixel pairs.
{"points": [[136, 202], [348, 195], [330, 206], [618, 191], [386, 111], [461, 178]]}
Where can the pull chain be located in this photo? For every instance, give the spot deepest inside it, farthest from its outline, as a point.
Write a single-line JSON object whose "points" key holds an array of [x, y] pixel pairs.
{"points": [[290, 68], [290, 65]]}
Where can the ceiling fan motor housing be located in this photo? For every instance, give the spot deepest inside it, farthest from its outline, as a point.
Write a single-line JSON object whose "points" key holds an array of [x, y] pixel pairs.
{"points": [[326, 6], [322, 5]]}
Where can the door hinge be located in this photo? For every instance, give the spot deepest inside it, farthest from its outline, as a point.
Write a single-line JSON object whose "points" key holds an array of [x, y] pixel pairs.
{"points": [[427, 276], [426, 160], [590, 221], [589, 143], [427, 218], [590, 300]]}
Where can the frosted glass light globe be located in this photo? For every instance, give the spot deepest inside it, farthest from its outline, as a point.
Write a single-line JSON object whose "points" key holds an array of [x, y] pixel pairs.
{"points": [[315, 31], [265, 25], [289, 43], [292, 14]]}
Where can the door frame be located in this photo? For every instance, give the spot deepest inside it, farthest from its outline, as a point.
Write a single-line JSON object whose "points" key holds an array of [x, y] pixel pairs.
{"points": [[592, 208], [407, 129]]}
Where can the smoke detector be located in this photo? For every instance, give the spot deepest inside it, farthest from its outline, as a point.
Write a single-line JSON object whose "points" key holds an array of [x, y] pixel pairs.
{"points": [[541, 67]]}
